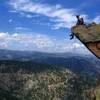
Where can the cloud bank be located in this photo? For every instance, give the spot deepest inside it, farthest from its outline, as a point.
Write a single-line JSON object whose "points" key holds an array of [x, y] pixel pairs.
{"points": [[38, 42], [97, 19]]}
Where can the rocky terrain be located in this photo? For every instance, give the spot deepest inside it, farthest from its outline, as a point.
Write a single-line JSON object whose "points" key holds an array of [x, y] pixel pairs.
{"points": [[35, 81]]}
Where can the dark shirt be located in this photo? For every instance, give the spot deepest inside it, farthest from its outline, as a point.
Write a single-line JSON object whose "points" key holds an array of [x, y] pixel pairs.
{"points": [[80, 21]]}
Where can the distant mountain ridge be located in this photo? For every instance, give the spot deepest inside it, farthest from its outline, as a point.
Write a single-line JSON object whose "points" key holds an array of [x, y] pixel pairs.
{"points": [[31, 55], [78, 63]]}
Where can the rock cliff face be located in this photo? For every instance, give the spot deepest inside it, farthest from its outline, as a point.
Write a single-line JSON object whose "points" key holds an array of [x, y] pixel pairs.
{"points": [[34, 81], [89, 36]]}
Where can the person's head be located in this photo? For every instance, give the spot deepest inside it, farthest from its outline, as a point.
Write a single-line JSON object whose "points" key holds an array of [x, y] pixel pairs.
{"points": [[77, 16]]}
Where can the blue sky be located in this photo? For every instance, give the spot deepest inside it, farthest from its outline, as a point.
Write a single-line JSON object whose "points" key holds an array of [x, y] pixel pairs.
{"points": [[43, 25]]}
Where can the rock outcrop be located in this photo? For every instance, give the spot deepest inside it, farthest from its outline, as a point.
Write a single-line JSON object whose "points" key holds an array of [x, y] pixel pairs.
{"points": [[89, 35]]}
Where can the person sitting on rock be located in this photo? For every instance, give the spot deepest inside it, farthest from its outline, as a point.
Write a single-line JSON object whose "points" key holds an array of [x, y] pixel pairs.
{"points": [[80, 21]]}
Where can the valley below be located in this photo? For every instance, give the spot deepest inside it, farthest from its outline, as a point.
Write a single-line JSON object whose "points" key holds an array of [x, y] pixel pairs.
{"points": [[35, 81], [46, 76]]}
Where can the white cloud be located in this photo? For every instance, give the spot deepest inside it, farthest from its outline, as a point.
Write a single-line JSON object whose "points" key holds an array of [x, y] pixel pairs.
{"points": [[42, 41], [10, 20], [38, 42], [3, 35], [4, 45], [33, 41], [97, 19], [63, 17], [21, 29], [25, 15], [74, 47]]}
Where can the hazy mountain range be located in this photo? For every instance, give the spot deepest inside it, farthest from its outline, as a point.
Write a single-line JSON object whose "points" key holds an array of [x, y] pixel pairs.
{"points": [[78, 63]]}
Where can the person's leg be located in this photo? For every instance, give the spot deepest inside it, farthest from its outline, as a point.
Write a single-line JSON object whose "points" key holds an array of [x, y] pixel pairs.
{"points": [[71, 36]]}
